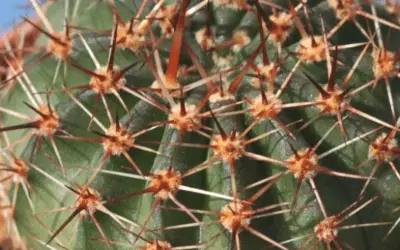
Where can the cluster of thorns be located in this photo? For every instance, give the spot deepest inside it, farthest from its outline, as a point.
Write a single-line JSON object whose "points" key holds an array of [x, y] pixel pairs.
{"points": [[276, 24]]}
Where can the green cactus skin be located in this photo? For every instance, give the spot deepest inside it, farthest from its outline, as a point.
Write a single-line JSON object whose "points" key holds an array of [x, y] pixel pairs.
{"points": [[70, 162]]}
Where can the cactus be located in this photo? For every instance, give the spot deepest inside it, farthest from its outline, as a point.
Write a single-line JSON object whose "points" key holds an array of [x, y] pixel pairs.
{"points": [[222, 124]]}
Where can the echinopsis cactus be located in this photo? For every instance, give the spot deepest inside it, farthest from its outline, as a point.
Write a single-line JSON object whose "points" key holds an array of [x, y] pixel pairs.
{"points": [[208, 124]]}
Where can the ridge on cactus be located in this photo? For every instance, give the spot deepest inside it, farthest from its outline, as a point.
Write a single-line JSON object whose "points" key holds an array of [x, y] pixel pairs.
{"points": [[201, 124]]}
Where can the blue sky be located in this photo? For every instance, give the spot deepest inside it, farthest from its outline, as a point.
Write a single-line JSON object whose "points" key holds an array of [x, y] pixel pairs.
{"points": [[11, 10]]}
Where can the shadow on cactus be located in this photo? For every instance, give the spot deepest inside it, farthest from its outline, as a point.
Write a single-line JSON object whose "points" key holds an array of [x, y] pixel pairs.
{"points": [[209, 124]]}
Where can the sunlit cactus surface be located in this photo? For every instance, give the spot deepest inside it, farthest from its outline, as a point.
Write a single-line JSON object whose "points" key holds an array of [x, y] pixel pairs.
{"points": [[203, 124]]}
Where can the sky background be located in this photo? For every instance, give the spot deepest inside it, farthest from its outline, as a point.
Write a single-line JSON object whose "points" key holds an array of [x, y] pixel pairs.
{"points": [[11, 12]]}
